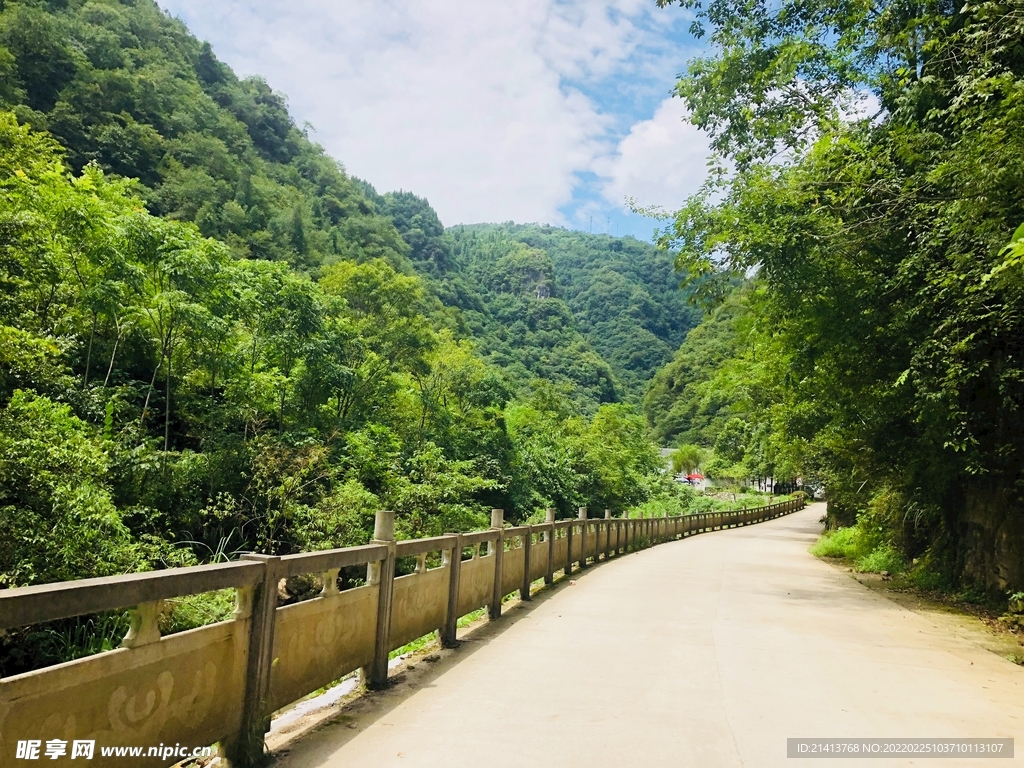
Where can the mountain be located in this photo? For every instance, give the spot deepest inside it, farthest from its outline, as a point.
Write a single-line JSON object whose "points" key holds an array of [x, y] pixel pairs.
{"points": [[593, 314], [124, 86], [623, 293]]}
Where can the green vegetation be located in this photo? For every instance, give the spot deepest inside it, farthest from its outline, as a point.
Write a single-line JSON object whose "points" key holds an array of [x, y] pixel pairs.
{"points": [[623, 293], [520, 323], [719, 398], [685, 401], [881, 350], [688, 458], [158, 390], [841, 542], [163, 402], [214, 341], [124, 86], [683, 499], [418, 644], [851, 544]]}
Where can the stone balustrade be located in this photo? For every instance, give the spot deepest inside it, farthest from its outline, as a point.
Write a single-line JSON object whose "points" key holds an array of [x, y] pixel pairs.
{"points": [[221, 683]]}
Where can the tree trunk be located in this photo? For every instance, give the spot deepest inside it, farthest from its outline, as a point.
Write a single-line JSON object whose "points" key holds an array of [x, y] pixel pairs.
{"points": [[88, 356]]}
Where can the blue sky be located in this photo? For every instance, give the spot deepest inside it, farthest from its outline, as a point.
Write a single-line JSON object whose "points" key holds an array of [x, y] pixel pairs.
{"points": [[550, 111]]}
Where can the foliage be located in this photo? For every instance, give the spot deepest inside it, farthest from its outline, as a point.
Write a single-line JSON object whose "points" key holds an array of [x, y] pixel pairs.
{"points": [[214, 341], [880, 247], [684, 402], [724, 392], [165, 403], [593, 314], [688, 458], [681, 499], [521, 323], [58, 519], [884, 557], [621, 292], [124, 86], [841, 542], [853, 544]]}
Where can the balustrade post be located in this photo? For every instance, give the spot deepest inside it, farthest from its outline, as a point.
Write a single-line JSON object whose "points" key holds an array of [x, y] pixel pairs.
{"points": [[247, 748], [549, 516], [583, 537], [607, 533], [498, 524], [524, 591], [382, 574], [451, 618], [568, 548]]}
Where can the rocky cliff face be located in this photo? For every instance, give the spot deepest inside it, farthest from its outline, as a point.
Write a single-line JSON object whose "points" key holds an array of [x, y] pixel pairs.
{"points": [[992, 538]]}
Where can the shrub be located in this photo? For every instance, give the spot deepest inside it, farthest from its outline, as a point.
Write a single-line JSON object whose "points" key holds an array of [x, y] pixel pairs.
{"points": [[843, 542], [884, 557], [931, 573]]}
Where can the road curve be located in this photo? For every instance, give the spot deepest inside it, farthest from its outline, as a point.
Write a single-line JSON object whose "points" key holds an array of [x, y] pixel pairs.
{"points": [[709, 651]]}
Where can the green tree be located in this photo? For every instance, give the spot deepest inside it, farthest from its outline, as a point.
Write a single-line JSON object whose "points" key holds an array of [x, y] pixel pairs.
{"points": [[879, 244], [688, 458]]}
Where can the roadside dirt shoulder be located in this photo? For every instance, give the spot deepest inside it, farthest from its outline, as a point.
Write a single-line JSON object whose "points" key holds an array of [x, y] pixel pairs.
{"points": [[968, 622]]}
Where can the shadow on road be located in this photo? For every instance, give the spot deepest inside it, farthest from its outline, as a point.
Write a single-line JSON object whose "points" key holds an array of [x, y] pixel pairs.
{"points": [[331, 730]]}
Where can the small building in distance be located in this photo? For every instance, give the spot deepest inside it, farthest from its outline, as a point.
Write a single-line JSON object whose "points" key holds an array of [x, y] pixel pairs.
{"points": [[695, 479]]}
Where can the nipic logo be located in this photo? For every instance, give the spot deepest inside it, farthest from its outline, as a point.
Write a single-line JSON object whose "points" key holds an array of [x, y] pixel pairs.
{"points": [[34, 749], [55, 748]]}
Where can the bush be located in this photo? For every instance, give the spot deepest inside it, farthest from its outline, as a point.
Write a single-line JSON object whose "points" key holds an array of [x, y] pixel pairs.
{"points": [[57, 519], [884, 557], [843, 542]]}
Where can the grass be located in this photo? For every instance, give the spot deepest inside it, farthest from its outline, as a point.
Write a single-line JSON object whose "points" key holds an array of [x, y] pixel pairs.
{"points": [[193, 611], [859, 548], [851, 545], [469, 618], [884, 557], [840, 543], [416, 645]]}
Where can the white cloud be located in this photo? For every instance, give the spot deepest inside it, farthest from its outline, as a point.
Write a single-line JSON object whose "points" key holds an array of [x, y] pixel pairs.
{"points": [[859, 105], [462, 101], [661, 162]]}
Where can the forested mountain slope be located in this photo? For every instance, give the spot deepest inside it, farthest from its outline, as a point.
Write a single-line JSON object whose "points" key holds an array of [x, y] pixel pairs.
{"points": [[884, 351], [508, 300], [128, 88], [687, 401], [125, 86], [624, 293], [247, 349]]}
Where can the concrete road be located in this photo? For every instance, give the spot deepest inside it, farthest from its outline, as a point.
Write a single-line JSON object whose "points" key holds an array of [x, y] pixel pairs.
{"points": [[709, 651]]}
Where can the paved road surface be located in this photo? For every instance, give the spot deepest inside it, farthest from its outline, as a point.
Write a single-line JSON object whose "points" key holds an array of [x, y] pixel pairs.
{"points": [[704, 652]]}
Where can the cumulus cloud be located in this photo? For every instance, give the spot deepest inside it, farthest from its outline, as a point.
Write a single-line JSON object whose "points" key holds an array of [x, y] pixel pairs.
{"points": [[661, 162], [480, 106]]}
